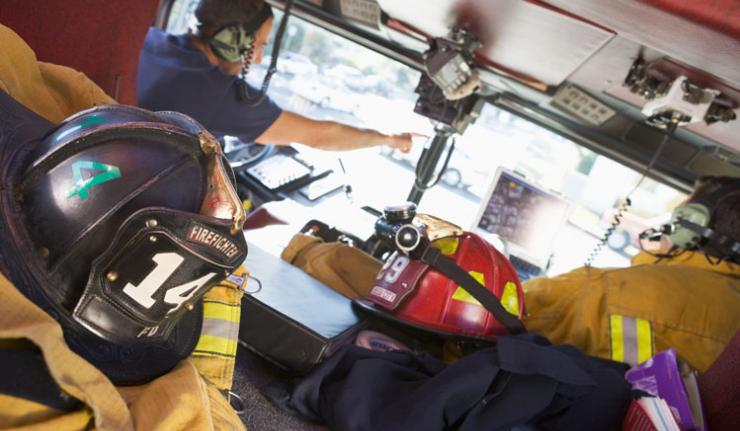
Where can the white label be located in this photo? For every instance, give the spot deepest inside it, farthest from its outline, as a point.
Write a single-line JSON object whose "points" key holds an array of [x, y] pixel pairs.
{"points": [[167, 264], [364, 11], [393, 268], [383, 293], [178, 295]]}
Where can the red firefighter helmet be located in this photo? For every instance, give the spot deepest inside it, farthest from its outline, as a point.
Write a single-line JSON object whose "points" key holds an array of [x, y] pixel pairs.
{"points": [[414, 293]]}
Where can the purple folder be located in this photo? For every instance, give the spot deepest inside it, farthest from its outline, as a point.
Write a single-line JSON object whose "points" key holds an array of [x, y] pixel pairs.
{"points": [[659, 376]]}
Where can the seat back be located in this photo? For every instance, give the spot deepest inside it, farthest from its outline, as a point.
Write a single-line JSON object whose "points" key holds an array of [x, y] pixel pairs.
{"points": [[100, 38], [720, 392]]}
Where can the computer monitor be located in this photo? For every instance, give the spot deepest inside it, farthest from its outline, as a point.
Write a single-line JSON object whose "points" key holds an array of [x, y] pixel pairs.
{"points": [[524, 215]]}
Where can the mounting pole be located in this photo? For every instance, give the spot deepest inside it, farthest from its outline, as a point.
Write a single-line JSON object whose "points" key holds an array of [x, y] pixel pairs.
{"points": [[428, 161]]}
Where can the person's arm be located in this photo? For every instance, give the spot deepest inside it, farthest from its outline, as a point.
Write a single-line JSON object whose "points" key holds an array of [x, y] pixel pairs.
{"points": [[328, 135]]}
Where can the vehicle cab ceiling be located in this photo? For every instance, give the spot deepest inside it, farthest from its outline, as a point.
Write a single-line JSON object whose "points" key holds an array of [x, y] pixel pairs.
{"points": [[535, 53]]}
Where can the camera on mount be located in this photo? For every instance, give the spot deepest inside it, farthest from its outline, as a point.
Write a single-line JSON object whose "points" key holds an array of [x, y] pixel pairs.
{"points": [[449, 64], [447, 91], [401, 228], [395, 228]]}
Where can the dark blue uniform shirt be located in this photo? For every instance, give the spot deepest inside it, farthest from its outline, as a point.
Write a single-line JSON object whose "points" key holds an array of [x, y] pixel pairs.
{"points": [[174, 75]]}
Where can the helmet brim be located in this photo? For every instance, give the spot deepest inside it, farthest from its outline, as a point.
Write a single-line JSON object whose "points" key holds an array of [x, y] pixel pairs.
{"points": [[125, 365], [374, 310]]}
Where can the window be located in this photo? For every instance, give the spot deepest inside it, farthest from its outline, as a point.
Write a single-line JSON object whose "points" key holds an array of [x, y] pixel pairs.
{"points": [[595, 186], [324, 76]]}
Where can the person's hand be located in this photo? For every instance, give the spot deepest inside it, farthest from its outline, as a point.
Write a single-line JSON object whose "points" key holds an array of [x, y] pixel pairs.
{"points": [[403, 141]]}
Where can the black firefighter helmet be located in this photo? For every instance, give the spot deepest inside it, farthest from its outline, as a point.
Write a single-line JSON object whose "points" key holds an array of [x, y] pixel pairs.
{"points": [[116, 222]]}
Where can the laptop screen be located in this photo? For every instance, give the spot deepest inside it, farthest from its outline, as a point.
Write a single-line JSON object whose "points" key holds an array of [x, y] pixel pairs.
{"points": [[525, 216]]}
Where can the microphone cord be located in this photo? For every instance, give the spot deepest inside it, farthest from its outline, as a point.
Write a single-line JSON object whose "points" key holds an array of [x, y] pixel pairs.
{"points": [[260, 96], [627, 202]]}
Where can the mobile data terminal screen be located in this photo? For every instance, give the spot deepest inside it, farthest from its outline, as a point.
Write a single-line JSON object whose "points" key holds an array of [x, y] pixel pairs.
{"points": [[527, 217]]}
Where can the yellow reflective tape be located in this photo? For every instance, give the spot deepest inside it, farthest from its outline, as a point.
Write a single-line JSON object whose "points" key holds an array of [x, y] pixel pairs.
{"points": [[615, 331], [218, 310], [463, 295], [218, 345], [510, 299], [447, 245], [644, 340], [220, 328]]}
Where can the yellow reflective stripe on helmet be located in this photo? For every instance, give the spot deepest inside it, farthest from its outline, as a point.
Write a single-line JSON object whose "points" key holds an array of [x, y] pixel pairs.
{"points": [[463, 295], [631, 339], [510, 298], [447, 245]]}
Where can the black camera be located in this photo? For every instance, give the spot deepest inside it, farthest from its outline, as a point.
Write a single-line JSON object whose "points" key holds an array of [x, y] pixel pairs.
{"points": [[395, 228]]}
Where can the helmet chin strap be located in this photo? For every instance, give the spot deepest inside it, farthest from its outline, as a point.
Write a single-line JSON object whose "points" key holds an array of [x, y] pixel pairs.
{"points": [[434, 258]]}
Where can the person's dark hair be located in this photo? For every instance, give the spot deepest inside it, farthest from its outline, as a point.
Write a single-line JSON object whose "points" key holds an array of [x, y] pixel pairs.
{"points": [[213, 15], [726, 217], [722, 195]]}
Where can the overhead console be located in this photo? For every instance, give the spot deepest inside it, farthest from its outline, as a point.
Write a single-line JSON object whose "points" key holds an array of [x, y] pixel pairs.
{"points": [[668, 91], [631, 65], [666, 57]]}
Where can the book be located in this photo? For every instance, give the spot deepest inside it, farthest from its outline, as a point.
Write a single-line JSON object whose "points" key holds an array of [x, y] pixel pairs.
{"points": [[649, 414], [660, 377]]}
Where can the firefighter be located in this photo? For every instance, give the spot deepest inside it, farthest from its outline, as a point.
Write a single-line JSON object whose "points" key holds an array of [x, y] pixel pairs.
{"points": [[687, 299], [202, 74]]}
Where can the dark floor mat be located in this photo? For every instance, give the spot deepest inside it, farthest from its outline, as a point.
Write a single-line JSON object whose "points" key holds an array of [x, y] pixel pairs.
{"points": [[252, 376]]}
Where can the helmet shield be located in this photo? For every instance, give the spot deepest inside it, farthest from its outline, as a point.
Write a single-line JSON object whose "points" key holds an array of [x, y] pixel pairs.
{"points": [[158, 266]]}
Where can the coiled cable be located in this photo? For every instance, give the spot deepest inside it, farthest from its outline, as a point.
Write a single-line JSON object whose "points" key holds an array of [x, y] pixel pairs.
{"points": [[616, 221], [627, 202], [243, 88]]}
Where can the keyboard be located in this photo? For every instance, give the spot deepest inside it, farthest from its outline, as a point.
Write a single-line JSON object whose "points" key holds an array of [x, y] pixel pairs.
{"points": [[279, 171], [524, 269]]}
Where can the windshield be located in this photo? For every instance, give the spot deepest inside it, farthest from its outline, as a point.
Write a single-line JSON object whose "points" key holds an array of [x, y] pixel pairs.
{"points": [[324, 76]]}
